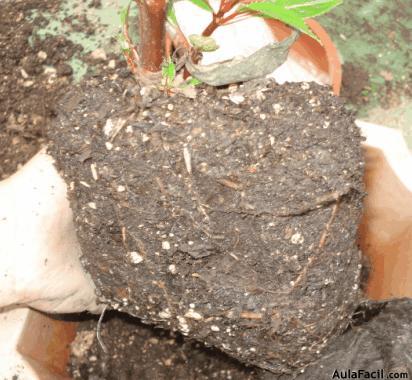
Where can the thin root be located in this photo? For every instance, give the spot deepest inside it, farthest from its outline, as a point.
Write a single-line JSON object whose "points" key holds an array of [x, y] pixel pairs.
{"points": [[325, 232], [322, 242], [98, 329]]}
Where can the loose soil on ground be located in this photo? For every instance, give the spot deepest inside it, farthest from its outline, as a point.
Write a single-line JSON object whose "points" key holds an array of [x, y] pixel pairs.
{"points": [[33, 74]]}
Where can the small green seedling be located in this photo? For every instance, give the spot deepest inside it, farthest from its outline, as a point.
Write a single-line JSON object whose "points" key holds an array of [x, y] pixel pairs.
{"points": [[168, 72]]}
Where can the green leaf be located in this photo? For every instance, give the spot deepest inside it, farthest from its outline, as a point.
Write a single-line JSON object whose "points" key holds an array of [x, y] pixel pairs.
{"points": [[307, 8], [171, 15], [278, 11], [292, 12], [203, 4], [203, 43]]}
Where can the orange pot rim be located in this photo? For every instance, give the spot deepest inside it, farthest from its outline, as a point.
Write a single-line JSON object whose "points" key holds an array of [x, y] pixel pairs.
{"points": [[324, 54], [332, 55]]}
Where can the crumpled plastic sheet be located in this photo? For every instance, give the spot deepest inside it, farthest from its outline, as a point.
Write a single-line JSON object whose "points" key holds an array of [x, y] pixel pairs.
{"points": [[379, 339]]}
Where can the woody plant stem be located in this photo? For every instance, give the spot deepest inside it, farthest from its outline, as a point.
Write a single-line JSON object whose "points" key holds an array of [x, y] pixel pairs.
{"points": [[152, 18]]}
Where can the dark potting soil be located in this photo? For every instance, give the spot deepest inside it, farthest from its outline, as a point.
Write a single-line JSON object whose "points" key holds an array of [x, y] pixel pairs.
{"points": [[137, 351], [232, 223], [380, 338]]}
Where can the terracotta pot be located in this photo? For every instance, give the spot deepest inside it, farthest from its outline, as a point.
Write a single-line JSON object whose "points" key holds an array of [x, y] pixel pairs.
{"points": [[385, 231], [322, 57], [33, 345]]}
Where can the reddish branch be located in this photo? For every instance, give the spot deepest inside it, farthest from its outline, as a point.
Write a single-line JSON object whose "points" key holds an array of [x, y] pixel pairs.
{"points": [[219, 19]]}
